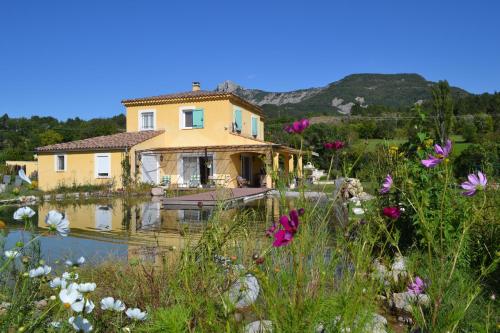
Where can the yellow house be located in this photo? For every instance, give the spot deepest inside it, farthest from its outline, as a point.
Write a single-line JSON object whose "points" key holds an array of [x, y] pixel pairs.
{"points": [[189, 139]]}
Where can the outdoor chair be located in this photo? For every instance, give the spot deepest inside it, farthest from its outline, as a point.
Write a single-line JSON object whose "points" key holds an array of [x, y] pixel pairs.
{"points": [[242, 182], [6, 179], [166, 180], [194, 181]]}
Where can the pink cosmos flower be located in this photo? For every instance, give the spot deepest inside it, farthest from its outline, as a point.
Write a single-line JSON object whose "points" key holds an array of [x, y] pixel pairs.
{"points": [[392, 212], [474, 183], [417, 287], [271, 230], [336, 145], [290, 225], [386, 185], [288, 129], [441, 154], [297, 127]]}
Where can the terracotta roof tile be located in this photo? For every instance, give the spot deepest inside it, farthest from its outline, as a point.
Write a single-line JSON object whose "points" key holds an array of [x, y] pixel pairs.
{"points": [[115, 141], [190, 95], [185, 94]]}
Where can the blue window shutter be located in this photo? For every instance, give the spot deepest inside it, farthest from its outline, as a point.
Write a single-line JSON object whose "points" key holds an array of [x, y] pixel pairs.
{"points": [[198, 118], [254, 126], [238, 123]]}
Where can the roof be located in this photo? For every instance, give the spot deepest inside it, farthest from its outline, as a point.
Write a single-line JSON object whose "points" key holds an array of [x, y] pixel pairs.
{"points": [[198, 95], [113, 142]]}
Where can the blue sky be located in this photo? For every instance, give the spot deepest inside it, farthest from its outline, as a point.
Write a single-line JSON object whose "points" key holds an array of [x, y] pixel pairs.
{"points": [[81, 58]]}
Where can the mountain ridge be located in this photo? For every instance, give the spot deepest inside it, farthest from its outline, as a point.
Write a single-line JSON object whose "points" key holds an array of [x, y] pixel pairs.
{"points": [[338, 97]]}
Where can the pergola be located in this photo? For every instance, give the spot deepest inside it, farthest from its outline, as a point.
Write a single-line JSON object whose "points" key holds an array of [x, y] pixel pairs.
{"points": [[272, 151]]}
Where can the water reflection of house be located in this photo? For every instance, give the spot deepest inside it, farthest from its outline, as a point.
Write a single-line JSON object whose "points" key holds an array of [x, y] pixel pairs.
{"points": [[150, 233], [183, 139], [144, 227]]}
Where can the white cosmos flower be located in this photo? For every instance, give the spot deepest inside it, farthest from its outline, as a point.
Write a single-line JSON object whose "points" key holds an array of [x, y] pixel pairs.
{"points": [[23, 213], [57, 222], [358, 211], [70, 296], [58, 283], [83, 304], [39, 271], [55, 324], [70, 276], [109, 303], [136, 314], [77, 263], [80, 324], [12, 254], [86, 287]]}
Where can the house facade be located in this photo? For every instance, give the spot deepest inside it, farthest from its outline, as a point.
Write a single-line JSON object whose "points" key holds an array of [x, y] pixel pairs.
{"points": [[187, 139]]}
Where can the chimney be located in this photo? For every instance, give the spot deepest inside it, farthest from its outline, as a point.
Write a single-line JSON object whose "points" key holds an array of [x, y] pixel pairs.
{"points": [[196, 86]]}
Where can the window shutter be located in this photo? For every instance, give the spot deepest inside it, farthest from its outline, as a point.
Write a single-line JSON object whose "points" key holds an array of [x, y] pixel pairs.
{"points": [[237, 120], [198, 118], [254, 126], [103, 166]]}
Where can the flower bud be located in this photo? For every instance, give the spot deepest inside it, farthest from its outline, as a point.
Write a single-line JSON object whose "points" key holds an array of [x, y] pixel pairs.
{"points": [[25, 274], [53, 298], [41, 262], [19, 244]]}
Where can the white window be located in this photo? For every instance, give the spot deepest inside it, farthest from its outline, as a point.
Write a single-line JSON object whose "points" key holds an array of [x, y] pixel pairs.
{"points": [[188, 118], [60, 162], [103, 165], [191, 117], [147, 120]]}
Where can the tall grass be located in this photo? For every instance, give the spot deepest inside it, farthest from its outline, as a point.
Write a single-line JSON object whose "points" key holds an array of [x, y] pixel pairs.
{"points": [[324, 280]]}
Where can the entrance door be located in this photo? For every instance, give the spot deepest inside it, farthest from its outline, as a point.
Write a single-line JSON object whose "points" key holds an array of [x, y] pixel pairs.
{"points": [[150, 168], [206, 168], [246, 168]]}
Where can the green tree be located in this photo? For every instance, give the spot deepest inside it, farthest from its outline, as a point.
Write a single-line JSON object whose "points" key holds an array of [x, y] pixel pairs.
{"points": [[50, 137], [443, 110]]}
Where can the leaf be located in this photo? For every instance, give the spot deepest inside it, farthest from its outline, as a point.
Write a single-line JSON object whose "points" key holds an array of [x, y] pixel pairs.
{"points": [[421, 136]]}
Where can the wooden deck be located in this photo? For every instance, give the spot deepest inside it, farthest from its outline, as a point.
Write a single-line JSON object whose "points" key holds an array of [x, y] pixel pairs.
{"points": [[227, 196]]}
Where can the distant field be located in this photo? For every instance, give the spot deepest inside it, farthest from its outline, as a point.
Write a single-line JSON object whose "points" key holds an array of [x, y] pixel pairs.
{"points": [[459, 144]]}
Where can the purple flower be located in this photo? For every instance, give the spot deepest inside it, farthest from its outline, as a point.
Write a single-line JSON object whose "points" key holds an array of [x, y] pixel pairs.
{"points": [[288, 129], [297, 127], [271, 230], [290, 225], [474, 183], [336, 145], [441, 154], [386, 185], [301, 211], [417, 287], [392, 212]]}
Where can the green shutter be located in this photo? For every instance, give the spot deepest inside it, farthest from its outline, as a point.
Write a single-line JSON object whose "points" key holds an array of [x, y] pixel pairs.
{"points": [[198, 118], [237, 120], [254, 126]]}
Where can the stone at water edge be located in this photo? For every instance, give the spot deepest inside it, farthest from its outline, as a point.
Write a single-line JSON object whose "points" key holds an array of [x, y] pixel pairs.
{"points": [[379, 271], [398, 268], [377, 325], [157, 191], [405, 300], [259, 326], [244, 291]]}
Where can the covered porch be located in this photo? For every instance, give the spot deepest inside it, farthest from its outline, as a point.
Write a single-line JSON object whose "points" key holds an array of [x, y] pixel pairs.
{"points": [[227, 166]]}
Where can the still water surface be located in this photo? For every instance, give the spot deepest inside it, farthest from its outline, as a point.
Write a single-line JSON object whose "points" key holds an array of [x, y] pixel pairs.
{"points": [[120, 229]]}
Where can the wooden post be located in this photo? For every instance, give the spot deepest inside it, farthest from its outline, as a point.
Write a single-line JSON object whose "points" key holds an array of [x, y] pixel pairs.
{"points": [[299, 166]]}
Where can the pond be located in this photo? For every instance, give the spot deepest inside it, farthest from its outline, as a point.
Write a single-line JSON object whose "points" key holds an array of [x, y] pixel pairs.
{"points": [[124, 229]]}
